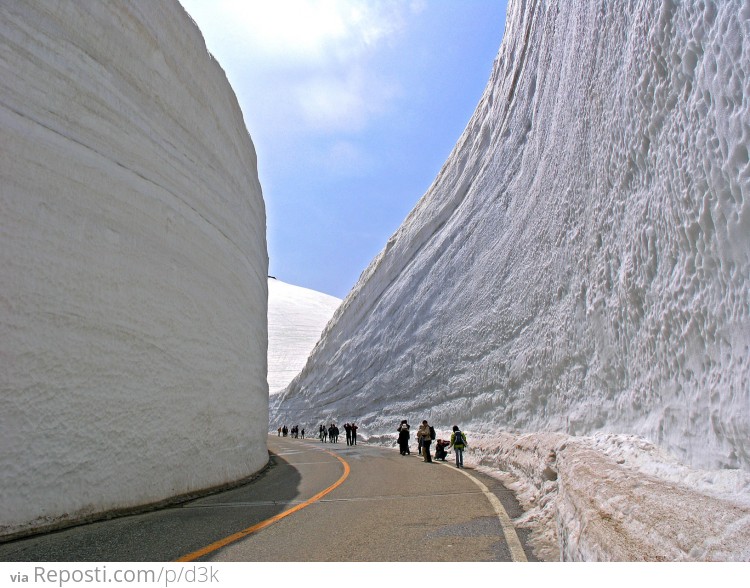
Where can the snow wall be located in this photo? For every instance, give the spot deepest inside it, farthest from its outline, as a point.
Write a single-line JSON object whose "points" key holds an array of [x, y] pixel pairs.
{"points": [[133, 265], [296, 318], [581, 262]]}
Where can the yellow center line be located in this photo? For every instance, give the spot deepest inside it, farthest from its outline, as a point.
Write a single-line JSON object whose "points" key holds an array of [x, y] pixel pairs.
{"points": [[263, 524]]}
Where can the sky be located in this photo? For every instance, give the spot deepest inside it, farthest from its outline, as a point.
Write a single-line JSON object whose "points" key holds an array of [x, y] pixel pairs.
{"points": [[353, 107]]}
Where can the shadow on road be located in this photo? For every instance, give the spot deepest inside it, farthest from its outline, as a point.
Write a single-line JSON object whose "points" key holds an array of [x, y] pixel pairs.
{"points": [[168, 533]]}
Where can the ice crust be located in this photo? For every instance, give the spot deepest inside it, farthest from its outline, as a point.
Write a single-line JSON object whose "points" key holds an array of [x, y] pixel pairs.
{"points": [[579, 267], [296, 318], [133, 265]]}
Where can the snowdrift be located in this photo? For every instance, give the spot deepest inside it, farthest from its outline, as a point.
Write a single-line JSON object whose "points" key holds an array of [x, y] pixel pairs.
{"points": [[133, 263], [581, 262]]}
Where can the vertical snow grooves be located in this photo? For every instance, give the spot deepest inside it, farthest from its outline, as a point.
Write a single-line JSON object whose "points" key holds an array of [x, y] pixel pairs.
{"points": [[530, 14], [607, 288]]}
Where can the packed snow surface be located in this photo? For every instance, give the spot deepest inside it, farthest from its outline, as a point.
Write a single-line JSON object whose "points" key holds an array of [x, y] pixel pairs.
{"points": [[296, 318], [133, 264], [578, 270]]}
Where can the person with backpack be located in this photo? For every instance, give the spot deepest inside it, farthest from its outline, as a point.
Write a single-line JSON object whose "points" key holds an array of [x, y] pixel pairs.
{"points": [[458, 442], [425, 434]]}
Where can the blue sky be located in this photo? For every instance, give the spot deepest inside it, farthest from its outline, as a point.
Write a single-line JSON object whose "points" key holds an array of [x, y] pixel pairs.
{"points": [[353, 107]]}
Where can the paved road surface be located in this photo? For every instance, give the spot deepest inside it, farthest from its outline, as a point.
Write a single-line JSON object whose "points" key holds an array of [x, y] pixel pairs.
{"points": [[331, 503]]}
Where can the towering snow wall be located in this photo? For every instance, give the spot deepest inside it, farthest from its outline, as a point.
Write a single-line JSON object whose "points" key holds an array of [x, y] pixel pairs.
{"points": [[581, 262], [133, 264], [296, 318]]}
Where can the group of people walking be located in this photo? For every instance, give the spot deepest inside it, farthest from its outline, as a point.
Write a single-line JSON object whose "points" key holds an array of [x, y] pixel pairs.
{"points": [[426, 435], [294, 432], [330, 434]]}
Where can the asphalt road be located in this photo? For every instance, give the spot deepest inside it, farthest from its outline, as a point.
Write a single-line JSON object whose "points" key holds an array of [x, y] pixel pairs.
{"points": [[315, 502]]}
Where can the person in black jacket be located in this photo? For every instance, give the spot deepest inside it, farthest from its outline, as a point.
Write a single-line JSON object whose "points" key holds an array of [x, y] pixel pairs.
{"points": [[403, 437]]}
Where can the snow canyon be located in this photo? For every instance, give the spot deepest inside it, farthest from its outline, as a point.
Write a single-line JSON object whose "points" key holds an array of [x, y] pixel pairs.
{"points": [[572, 289]]}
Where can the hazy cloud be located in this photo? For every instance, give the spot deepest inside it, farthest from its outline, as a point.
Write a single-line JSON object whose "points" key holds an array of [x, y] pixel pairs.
{"points": [[304, 63], [343, 101]]}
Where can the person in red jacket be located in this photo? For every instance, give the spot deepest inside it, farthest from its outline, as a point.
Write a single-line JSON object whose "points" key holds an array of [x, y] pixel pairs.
{"points": [[440, 449]]}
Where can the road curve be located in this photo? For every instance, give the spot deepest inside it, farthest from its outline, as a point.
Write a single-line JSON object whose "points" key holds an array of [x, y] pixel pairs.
{"points": [[390, 508], [315, 502]]}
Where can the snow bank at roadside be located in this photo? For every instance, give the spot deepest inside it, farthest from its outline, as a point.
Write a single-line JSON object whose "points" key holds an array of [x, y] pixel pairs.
{"points": [[614, 498]]}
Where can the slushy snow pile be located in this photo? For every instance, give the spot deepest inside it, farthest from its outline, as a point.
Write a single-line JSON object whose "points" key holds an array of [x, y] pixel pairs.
{"points": [[296, 318], [133, 265], [573, 288]]}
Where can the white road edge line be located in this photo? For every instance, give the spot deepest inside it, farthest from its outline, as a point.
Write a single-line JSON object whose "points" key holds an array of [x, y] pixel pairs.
{"points": [[511, 537]]}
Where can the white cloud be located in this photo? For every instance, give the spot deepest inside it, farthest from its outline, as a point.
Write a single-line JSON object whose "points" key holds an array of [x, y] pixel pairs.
{"points": [[300, 31], [305, 63], [342, 101]]}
